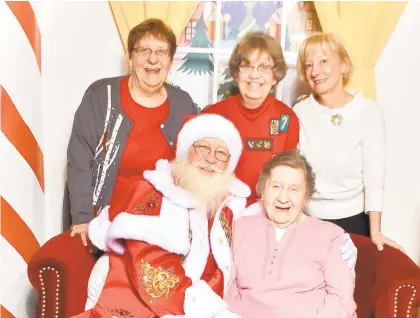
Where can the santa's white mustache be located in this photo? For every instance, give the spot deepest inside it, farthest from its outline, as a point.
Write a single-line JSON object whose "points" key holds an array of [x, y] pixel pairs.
{"points": [[206, 165]]}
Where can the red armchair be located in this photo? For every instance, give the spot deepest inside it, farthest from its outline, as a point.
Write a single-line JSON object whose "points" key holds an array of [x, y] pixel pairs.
{"points": [[59, 271], [387, 282]]}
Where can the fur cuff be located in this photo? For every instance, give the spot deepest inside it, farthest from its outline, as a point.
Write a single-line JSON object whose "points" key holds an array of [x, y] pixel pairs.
{"points": [[202, 302], [254, 209], [227, 314], [98, 229], [169, 230]]}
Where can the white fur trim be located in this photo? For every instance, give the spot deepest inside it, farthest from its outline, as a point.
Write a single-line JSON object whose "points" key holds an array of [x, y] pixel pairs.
{"points": [[254, 209], [221, 250], [97, 281], [98, 228], [227, 314], [196, 260], [169, 230], [202, 302], [207, 126], [236, 205], [239, 189], [161, 178]]}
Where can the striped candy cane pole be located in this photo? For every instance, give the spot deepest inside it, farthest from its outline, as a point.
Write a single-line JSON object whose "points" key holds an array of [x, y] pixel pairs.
{"points": [[22, 167]]}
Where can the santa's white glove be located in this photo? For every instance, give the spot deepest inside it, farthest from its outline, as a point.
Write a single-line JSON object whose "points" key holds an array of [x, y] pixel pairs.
{"points": [[349, 251], [202, 302], [227, 314]]}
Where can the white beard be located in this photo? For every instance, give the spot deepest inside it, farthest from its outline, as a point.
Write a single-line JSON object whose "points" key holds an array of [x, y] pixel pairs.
{"points": [[209, 190]]}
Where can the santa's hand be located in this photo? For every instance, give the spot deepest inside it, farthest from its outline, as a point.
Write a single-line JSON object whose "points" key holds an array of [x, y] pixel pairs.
{"points": [[201, 301], [227, 314]]}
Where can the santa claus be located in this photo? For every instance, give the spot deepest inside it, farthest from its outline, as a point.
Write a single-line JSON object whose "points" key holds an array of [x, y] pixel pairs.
{"points": [[169, 252]]}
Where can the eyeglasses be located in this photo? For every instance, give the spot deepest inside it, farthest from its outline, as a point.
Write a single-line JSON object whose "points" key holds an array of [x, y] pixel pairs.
{"points": [[204, 150], [145, 52], [262, 68]]}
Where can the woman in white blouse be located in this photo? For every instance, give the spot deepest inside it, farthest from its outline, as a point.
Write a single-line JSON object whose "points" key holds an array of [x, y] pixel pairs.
{"points": [[342, 135]]}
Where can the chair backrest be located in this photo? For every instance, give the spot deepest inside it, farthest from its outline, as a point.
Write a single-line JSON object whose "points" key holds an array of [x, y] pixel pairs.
{"points": [[377, 271], [365, 275]]}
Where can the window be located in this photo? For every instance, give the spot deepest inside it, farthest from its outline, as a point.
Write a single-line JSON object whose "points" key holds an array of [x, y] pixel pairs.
{"points": [[200, 65], [189, 30]]}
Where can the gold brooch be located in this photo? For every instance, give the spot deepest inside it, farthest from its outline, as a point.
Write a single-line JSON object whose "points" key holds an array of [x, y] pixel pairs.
{"points": [[337, 119]]}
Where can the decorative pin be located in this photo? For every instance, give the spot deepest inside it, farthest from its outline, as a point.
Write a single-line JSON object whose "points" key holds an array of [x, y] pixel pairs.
{"points": [[258, 144], [337, 119], [274, 127], [284, 122]]}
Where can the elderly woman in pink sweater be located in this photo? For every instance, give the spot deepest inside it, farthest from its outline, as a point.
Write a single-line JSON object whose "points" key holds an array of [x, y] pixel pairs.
{"points": [[287, 264]]}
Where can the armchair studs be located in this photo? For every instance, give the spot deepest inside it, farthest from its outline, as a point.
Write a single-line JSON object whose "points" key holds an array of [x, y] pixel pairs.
{"points": [[392, 278], [410, 302], [43, 293]]}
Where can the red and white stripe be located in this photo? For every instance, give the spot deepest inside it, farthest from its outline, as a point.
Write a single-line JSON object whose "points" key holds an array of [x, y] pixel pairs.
{"points": [[22, 163]]}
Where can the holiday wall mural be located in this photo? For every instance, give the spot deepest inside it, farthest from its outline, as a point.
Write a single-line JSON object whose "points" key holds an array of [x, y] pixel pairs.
{"points": [[194, 65], [200, 63], [227, 88]]}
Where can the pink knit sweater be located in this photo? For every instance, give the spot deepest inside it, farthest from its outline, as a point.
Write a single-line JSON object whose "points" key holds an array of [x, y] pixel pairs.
{"points": [[302, 276]]}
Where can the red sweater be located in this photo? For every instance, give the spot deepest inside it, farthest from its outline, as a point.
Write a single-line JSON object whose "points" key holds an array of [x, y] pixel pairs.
{"points": [[145, 143], [270, 129]]}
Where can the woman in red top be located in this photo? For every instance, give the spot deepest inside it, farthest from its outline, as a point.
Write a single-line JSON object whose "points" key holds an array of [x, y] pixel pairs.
{"points": [[124, 125], [267, 126]]}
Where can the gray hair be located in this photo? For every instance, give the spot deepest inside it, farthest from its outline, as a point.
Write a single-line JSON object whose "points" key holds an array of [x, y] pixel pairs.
{"points": [[293, 159]]}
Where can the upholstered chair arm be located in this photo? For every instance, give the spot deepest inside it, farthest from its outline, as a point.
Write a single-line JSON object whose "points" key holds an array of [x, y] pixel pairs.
{"points": [[387, 282], [59, 271]]}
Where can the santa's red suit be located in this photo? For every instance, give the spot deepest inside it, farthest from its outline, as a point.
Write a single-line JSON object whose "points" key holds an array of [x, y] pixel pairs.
{"points": [[165, 257]]}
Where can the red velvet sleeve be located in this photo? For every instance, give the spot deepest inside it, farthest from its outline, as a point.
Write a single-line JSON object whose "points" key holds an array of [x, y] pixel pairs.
{"points": [[158, 277], [156, 274]]}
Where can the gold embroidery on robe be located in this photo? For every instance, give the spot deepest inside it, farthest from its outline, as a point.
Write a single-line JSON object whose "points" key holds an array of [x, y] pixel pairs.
{"points": [[121, 313], [142, 208], [157, 281], [226, 227]]}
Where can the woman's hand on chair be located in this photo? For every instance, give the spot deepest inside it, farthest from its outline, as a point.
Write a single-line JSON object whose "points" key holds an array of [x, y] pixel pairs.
{"points": [[81, 229], [380, 240]]}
